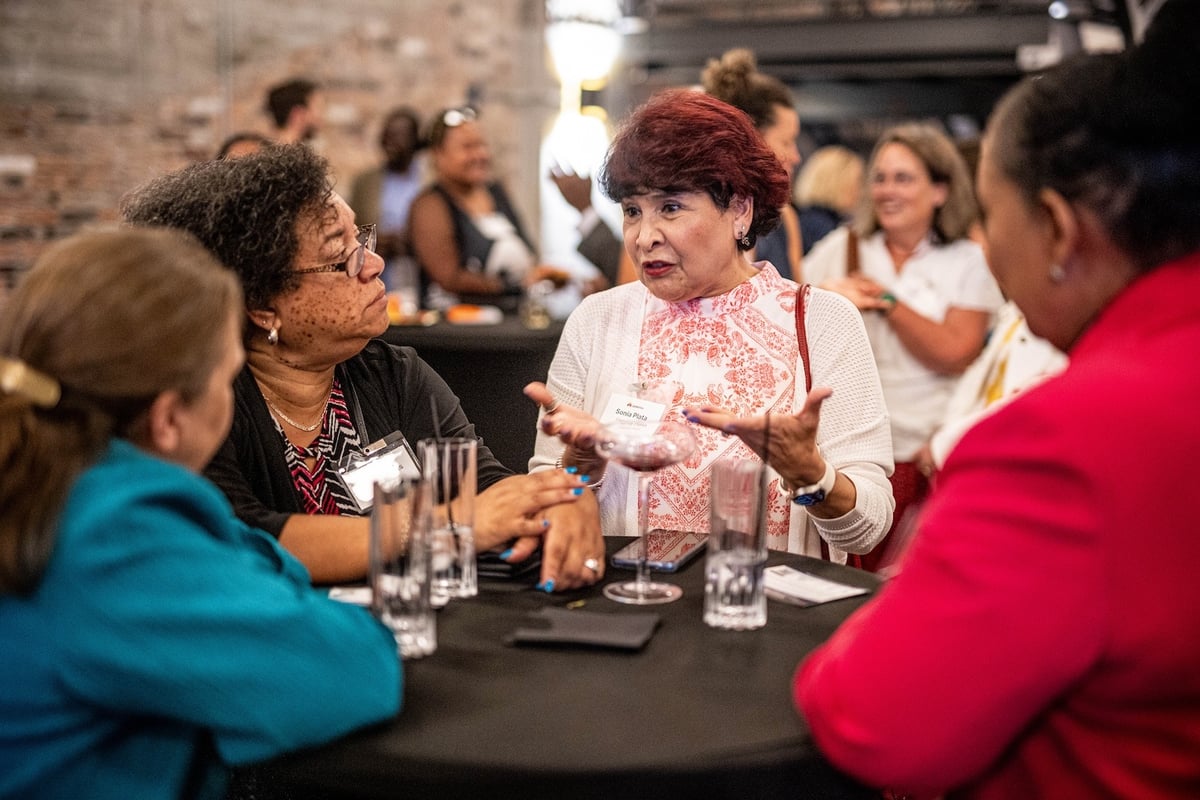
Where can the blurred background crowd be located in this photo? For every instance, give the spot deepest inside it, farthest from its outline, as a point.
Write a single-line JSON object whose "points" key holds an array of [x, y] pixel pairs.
{"points": [[98, 99]]}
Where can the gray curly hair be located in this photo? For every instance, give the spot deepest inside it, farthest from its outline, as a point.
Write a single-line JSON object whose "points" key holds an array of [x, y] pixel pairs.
{"points": [[247, 211]]}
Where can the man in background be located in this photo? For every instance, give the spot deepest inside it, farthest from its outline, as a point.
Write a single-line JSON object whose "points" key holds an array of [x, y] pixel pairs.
{"points": [[597, 243], [384, 194], [297, 109]]}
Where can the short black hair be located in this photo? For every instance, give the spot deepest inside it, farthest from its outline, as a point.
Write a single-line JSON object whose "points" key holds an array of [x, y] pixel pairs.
{"points": [[283, 98], [238, 138]]}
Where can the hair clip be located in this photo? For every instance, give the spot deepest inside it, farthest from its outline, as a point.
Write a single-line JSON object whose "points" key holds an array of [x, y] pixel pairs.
{"points": [[18, 378]]}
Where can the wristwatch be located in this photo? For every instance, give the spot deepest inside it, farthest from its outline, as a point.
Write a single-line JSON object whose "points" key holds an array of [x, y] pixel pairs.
{"points": [[814, 493]]}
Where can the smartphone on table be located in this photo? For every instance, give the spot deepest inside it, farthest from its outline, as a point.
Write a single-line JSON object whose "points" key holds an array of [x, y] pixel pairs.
{"points": [[666, 550]]}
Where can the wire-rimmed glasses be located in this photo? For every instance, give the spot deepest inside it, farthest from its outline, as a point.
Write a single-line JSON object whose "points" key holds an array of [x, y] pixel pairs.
{"points": [[366, 236]]}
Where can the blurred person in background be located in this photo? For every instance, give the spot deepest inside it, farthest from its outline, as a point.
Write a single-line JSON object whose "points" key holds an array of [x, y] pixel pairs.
{"points": [[384, 194], [297, 109], [735, 79], [464, 231], [827, 191], [1037, 641], [318, 386], [152, 639], [597, 243], [922, 285], [242, 143], [1013, 360]]}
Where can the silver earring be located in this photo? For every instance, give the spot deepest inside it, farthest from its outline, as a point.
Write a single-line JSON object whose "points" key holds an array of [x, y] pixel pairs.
{"points": [[744, 239], [1057, 273], [273, 336]]}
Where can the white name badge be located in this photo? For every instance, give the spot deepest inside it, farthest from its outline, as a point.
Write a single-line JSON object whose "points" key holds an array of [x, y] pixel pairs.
{"points": [[377, 461], [626, 409]]}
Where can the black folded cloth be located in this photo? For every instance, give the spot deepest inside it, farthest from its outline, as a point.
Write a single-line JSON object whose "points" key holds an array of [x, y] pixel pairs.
{"points": [[491, 567], [551, 626]]}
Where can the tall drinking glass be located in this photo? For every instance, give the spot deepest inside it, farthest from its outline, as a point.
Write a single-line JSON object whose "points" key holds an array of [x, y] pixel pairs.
{"points": [[734, 595], [400, 564], [449, 466], [644, 450]]}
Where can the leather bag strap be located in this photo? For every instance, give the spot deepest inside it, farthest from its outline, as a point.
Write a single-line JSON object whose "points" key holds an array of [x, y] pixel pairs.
{"points": [[852, 265], [802, 334]]}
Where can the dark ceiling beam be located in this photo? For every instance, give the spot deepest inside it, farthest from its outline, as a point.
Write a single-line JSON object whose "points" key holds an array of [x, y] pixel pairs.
{"points": [[796, 74], [842, 47]]}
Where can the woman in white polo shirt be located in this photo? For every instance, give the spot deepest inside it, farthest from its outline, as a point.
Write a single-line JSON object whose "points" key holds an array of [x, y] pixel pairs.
{"points": [[922, 284]]}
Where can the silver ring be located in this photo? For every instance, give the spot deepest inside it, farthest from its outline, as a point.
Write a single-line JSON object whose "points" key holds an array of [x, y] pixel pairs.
{"points": [[550, 409], [593, 565]]}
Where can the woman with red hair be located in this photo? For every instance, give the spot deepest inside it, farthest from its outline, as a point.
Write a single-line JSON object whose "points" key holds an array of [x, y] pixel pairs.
{"points": [[697, 187]]}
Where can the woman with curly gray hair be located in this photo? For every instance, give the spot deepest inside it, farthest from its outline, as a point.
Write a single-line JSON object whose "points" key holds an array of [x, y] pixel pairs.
{"points": [[318, 386]]}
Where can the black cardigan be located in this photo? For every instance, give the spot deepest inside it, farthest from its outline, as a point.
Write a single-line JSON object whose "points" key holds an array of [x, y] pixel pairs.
{"points": [[392, 387]]}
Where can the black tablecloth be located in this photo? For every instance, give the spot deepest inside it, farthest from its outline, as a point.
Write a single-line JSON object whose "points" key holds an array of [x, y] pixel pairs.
{"points": [[487, 366], [697, 713]]}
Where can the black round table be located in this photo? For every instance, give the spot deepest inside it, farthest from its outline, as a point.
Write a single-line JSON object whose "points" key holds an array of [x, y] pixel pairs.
{"points": [[696, 713]]}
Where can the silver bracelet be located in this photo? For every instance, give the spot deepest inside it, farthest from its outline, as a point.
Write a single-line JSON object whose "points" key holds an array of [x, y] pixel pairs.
{"points": [[558, 464]]}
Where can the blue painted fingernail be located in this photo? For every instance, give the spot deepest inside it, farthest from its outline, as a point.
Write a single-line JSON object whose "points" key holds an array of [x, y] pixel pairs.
{"points": [[578, 490], [545, 523], [692, 418], [506, 554], [585, 478], [548, 587], [541, 587], [572, 470]]}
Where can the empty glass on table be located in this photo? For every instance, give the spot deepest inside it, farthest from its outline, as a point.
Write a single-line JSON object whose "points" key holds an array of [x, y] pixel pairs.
{"points": [[449, 466], [400, 568]]}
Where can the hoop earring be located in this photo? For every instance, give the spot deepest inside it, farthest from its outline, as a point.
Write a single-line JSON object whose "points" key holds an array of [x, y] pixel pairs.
{"points": [[1057, 273], [273, 336]]}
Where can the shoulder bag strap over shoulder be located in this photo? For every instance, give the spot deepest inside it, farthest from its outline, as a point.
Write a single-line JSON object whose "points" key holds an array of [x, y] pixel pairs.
{"points": [[802, 334], [852, 265], [802, 295]]}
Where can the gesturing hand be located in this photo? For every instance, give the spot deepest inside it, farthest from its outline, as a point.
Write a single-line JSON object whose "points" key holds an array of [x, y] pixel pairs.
{"points": [[788, 442], [575, 428]]}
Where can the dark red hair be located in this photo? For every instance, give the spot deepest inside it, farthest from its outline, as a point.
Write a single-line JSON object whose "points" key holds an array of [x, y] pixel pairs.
{"points": [[683, 140]]}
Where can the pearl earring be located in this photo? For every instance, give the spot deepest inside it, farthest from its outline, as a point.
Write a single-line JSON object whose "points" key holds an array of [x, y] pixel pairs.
{"points": [[273, 336], [1057, 273]]}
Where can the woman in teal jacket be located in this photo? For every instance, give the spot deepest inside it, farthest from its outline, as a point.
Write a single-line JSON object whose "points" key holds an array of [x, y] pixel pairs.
{"points": [[151, 639]]}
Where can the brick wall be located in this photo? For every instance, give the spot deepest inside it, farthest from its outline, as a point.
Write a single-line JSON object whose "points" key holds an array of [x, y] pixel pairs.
{"points": [[98, 97]]}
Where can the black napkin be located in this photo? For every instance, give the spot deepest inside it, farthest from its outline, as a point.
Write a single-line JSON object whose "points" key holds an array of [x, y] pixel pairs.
{"points": [[491, 567], [628, 631]]}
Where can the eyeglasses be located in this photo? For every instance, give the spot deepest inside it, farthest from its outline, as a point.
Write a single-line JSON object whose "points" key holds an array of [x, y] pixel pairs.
{"points": [[454, 117], [366, 237]]}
